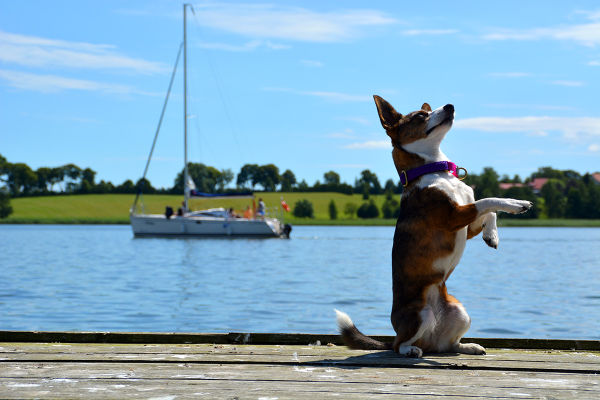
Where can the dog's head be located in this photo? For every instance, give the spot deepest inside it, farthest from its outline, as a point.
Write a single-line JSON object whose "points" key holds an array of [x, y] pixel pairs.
{"points": [[416, 136]]}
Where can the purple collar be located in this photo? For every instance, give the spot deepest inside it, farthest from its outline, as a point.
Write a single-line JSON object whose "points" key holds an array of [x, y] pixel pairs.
{"points": [[412, 174]]}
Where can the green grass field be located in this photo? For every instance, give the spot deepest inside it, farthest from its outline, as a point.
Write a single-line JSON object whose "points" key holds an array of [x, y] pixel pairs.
{"points": [[114, 209]]}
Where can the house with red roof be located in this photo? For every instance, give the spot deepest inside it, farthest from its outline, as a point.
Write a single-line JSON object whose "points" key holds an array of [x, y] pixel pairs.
{"points": [[505, 186], [535, 185]]}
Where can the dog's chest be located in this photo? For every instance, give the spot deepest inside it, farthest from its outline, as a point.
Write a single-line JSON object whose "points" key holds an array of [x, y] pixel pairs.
{"points": [[461, 194], [455, 189]]}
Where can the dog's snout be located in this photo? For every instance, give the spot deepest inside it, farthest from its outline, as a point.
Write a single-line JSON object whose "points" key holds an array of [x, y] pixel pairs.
{"points": [[449, 108]]}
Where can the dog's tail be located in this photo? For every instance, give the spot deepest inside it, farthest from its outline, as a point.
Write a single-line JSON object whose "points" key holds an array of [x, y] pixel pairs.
{"points": [[354, 338]]}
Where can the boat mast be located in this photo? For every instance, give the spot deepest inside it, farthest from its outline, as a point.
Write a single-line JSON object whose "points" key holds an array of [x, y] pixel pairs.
{"points": [[185, 162]]}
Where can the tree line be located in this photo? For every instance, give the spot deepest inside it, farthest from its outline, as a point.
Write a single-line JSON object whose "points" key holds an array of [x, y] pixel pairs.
{"points": [[557, 194], [564, 193], [20, 180]]}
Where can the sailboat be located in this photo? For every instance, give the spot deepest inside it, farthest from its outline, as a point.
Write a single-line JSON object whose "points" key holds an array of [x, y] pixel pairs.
{"points": [[214, 222]]}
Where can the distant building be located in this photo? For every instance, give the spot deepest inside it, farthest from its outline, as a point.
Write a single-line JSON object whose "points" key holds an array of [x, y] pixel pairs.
{"points": [[535, 185], [505, 186]]}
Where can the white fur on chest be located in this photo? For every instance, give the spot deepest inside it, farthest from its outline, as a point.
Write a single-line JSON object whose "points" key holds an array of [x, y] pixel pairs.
{"points": [[460, 193], [454, 188]]}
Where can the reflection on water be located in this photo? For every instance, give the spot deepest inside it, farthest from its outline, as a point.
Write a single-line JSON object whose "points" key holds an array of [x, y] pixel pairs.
{"points": [[541, 282]]}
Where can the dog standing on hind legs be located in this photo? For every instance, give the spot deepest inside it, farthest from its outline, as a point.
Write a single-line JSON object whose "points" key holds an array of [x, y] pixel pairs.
{"points": [[438, 213]]}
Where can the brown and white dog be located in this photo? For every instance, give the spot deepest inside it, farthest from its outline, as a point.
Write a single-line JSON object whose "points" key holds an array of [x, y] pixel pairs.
{"points": [[438, 214]]}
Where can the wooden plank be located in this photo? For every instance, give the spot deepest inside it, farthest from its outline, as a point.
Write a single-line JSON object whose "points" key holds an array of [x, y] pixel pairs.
{"points": [[554, 361], [342, 351], [265, 338], [169, 371], [282, 373], [244, 381]]}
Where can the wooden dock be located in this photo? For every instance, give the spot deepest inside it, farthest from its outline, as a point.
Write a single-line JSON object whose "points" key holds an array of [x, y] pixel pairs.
{"points": [[280, 366]]}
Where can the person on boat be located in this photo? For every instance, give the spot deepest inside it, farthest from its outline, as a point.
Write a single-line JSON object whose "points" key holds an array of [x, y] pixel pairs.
{"points": [[248, 213], [261, 208], [232, 214], [181, 210], [168, 212]]}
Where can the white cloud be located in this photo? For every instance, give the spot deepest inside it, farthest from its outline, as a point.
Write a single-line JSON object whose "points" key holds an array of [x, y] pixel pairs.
{"points": [[509, 74], [277, 89], [331, 96], [568, 83], [348, 134], [340, 135], [591, 15], [538, 133], [337, 96], [54, 83], [358, 120], [545, 107], [429, 32], [32, 51], [248, 46], [351, 166], [312, 63], [584, 34], [594, 147], [289, 23], [371, 144], [569, 127]]}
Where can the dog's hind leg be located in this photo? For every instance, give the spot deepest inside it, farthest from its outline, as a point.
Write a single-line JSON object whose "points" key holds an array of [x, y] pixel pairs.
{"points": [[469, 348], [427, 323], [456, 323], [457, 315]]}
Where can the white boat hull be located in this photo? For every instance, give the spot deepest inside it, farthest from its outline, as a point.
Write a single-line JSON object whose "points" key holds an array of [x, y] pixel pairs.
{"points": [[155, 225]]}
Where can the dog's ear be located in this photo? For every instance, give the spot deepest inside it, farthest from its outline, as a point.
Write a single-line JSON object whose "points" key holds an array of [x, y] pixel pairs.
{"points": [[388, 116], [426, 107]]}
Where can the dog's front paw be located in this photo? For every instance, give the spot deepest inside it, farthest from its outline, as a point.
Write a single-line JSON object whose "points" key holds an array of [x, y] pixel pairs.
{"points": [[517, 206], [490, 231], [491, 239], [410, 351], [470, 348], [490, 234]]}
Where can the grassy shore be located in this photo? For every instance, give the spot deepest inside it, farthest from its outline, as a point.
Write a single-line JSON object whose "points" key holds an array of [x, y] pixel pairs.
{"points": [[114, 209]]}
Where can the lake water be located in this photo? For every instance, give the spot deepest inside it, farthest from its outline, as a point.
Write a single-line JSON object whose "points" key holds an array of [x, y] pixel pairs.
{"points": [[540, 283]]}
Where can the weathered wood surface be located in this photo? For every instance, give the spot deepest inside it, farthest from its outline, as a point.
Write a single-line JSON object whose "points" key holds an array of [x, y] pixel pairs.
{"points": [[265, 338], [226, 371]]}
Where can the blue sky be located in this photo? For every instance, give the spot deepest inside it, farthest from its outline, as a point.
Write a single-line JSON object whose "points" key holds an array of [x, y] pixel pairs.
{"points": [[291, 83]]}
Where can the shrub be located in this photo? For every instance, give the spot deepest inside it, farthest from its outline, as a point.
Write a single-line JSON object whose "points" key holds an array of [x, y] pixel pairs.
{"points": [[5, 207], [391, 206], [368, 210], [390, 209], [365, 193], [332, 210], [350, 209], [303, 209]]}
